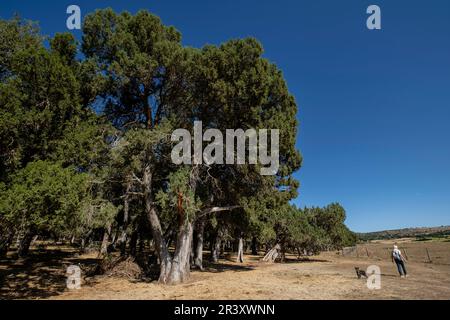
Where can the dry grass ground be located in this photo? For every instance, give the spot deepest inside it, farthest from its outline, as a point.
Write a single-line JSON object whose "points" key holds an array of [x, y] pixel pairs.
{"points": [[328, 276]]}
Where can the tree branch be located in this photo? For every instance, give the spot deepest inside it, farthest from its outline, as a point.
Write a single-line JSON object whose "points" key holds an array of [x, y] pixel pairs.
{"points": [[132, 194], [135, 178], [218, 209]]}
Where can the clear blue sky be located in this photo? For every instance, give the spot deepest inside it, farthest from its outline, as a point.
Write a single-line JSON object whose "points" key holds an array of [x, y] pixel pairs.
{"points": [[374, 105]]}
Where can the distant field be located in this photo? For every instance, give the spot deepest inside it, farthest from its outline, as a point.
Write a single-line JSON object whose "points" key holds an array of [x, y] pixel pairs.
{"points": [[330, 275], [428, 233]]}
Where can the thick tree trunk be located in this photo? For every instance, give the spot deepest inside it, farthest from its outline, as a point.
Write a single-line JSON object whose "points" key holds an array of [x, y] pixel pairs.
{"points": [[240, 251], [24, 244], [181, 264], [180, 269], [254, 246], [215, 250], [105, 242], [216, 246], [160, 244], [198, 252], [177, 269]]}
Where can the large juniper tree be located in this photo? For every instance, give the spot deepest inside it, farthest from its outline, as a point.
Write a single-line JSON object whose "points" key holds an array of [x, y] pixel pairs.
{"points": [[156, 85]]}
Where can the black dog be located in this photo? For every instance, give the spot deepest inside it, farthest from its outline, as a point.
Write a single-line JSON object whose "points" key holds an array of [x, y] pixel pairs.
{"points": [[360, 273]]}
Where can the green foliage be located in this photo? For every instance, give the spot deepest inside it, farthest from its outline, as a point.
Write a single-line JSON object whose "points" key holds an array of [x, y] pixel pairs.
{"points": [[309, 229], [85, 145], [179, 195], [39, 95], [65, 46], [44, 196], [139, 58], [93, 213], [48, 136]]}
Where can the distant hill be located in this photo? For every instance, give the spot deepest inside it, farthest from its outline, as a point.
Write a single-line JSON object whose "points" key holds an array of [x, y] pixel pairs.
{"points": [[442, 231]]}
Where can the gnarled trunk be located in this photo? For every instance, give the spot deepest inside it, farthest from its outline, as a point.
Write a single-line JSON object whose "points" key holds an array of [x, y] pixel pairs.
{"points": [[216, 246], [198, 252], [240, 251], [105, 242], [273, 254], [177, 269], [180, 269], [160, 244]]}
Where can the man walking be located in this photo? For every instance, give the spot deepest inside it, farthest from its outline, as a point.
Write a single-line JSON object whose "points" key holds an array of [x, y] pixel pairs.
{"points": [[399, 260]]}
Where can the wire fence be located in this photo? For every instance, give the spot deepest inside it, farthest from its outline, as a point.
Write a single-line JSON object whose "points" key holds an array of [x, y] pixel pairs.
{"points": [[437, 253]]}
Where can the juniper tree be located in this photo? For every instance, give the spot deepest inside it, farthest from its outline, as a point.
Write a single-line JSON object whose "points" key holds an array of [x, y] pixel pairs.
{"points": [[152, 79]]}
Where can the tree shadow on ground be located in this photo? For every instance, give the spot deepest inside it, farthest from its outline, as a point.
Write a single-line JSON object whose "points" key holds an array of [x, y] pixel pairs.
{"points": [[222, 267], [303, 260], [41, 275]]}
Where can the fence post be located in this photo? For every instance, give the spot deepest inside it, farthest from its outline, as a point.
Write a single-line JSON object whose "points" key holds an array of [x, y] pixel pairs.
{"points": [[367, 251], [406, 253], [428, 255]]}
